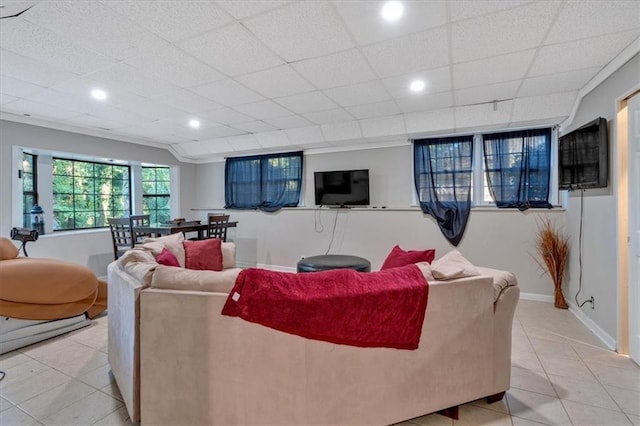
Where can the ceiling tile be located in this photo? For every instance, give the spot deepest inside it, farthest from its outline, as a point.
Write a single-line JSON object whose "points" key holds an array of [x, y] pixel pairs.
{"points": [[263, 109], [301, 30], [38, 110], [217, 146], [120, 114], [55, 98], [583, 19], [359, 94], [477, 116], [339, 69], [545, 106], [173, 20], [562, 82], [226, 116], [488, 93], [579, 54], [255, 127], [210, 132], [386, 126], [288, 122], [193, 148], [32, 41], [18, 88], [429, 121], [7, 99], [88, 120], [11, 8], [378, 109], [228, 92], [175, 66], [436, 80], [244, 142], [305, 135], [306, 102], [220, 49], [509, 31], [329, 116], [33, 71], [125, 76], [464, 9], [273, 139], [365, 21], [276, 82], [425, 102], [415, 52], [341, 131], [245, 8], [187, 101], [498, 69]]}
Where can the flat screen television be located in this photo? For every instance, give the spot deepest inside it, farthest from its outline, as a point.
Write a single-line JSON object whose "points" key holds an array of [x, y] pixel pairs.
{"points": [[583, 157], [342, 188]]}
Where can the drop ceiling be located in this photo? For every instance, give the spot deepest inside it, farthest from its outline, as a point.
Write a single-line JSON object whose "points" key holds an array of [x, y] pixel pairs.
{"points": [[265, 76]]}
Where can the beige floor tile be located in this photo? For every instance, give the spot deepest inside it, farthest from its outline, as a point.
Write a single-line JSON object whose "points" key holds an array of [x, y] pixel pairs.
{"points": [[120, 417], [566, 367], [5, 404], [537, 407], [112, 390], [526, 360], [16, 417], [33, 386], [499, 406], [85, 411], [92, 336], [517, 421], [591, 355], [553, 348], [472, 415], [11, 359], [619, 377], [54, 400], [80, 363], [627, 399], [531, 380], [586, 415], [635, 420], [432, 420], [98, 378], [20, 372], [584, 392]]}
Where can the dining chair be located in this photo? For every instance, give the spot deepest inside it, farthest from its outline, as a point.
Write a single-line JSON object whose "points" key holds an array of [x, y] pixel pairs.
{"points": [[120, 235], [218, 224], [139, 220]]}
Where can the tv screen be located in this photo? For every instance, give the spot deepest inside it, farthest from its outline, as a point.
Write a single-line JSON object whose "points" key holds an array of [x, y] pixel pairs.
{"points": [[342, 188], [583, 156]]}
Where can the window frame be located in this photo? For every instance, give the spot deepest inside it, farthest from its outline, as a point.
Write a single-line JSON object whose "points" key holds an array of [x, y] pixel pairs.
{"points": [[154, 212], [26, 216]]}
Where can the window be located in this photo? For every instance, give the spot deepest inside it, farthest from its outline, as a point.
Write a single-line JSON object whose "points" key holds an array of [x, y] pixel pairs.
{"points": [[29, 186], [156, 190], [265, 182], [85, 193], [517, 168]]}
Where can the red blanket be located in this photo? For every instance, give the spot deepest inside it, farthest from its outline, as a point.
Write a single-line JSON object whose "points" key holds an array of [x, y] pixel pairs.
{"points": [[377, 309]]}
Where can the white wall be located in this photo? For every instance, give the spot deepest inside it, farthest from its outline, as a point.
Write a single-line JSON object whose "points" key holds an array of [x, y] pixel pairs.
{"points": [[494, 238], [90, 248], [599, 256]]}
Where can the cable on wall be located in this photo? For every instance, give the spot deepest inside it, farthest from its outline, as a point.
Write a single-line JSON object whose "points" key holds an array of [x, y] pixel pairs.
{"points": [[590, 300], [333, 232]]}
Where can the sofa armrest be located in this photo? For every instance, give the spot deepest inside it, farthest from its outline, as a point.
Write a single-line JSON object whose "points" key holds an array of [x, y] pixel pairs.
{"points": [[504, 310], [124, 335]]}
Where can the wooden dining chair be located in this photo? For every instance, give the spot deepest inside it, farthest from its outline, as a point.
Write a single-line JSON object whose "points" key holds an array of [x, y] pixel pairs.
{"points": [[120, 235], [218, 224], [139, 220]]}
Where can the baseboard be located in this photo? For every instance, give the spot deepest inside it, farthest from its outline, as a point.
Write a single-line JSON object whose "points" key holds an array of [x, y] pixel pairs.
{"points": [[537, 297], [604, 337]]}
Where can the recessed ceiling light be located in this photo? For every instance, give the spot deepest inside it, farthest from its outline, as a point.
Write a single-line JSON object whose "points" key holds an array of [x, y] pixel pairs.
{"points": [[417, 86], [99, 94], [194, 123], [392, 10]]}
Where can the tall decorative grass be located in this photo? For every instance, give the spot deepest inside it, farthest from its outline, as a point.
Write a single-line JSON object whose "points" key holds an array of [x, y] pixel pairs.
{"points": [[553, 250]]}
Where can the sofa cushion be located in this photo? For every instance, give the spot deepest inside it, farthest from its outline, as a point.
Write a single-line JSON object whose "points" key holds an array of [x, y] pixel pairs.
{"points": [[398, 257], [228, 255], [7, 249], [203, 254], [451, 266], [167, 258], [172, 242], [168, 277], [501, 280], [139, 263]]}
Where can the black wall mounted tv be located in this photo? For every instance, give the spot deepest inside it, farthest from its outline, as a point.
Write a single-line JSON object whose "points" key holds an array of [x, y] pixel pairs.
{"points": [[342, 188], [583, 157]]}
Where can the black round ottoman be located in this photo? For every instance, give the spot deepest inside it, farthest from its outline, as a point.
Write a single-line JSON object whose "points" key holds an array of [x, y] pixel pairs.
{"points": [[325, 262]]}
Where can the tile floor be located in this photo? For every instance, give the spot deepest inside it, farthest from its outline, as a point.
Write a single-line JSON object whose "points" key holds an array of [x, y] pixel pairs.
{"points": [[561, 374]]}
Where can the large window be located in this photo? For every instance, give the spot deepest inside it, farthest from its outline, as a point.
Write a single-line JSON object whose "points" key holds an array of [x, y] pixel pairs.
{"points": [[265, 182], [29, 186], [85, 193], [156, 189]]}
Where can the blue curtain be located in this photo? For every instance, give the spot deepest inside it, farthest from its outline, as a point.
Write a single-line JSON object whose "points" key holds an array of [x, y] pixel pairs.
{"points": [[442, 175], [517, 166], [265, 182]]}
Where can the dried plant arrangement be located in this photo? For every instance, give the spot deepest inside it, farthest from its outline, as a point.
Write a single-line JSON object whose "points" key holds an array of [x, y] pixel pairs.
{"points": [[553, 250]]}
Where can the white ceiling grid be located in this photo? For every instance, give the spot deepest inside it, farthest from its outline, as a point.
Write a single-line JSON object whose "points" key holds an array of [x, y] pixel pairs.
{"points": [[265, 76]]}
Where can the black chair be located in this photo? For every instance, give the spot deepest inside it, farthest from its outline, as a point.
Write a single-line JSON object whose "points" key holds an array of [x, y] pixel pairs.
{"points": [[120, 235], [139, 220], [217, 226]]}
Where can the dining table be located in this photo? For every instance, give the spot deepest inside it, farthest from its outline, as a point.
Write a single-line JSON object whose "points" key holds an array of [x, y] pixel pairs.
{"points": [[166, 228]]}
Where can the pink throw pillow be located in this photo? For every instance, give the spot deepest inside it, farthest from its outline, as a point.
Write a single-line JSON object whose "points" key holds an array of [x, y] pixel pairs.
{"points": [[167, 258], [399, 257], [203, 254]]}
